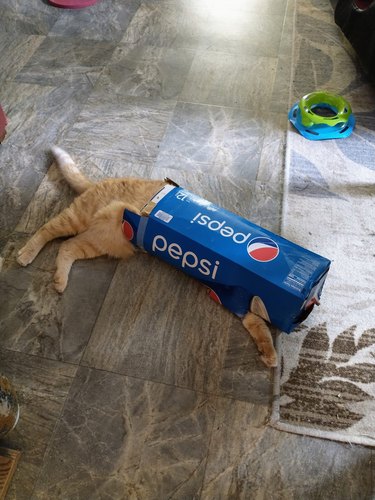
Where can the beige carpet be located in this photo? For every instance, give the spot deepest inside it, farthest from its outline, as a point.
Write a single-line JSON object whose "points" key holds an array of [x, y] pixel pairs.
{"points": [[325, 385]]}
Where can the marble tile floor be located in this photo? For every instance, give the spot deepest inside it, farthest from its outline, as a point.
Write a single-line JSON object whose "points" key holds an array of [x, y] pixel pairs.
{"points": [[133, 384]]}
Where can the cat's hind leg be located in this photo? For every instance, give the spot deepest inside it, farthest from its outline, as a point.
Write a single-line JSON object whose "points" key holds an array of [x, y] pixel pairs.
{"points": [[64, 224], [261, 334], [80, 247], [103, 237]]}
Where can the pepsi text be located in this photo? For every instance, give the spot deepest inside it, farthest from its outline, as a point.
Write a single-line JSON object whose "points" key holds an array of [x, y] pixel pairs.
{"points": [[187, 259], [223, 230]]}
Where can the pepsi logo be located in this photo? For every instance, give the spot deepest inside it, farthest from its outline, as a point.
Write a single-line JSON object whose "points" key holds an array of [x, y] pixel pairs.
{"points": [[127, 230], [214, 296], [262, 249]]}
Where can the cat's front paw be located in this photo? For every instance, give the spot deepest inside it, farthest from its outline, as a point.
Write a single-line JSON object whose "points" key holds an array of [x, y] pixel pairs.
{"points": [[60, 282]]}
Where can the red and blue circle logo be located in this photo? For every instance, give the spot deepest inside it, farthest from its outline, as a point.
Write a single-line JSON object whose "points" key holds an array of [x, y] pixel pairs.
{"points": [[263, 249], [214, 296], [127, 230]]}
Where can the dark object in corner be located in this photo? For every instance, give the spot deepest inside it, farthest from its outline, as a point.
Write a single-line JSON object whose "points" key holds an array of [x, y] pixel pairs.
{"points": [[356, 18]]}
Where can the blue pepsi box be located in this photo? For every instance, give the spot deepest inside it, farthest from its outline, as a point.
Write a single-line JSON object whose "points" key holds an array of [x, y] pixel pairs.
{"points": [[244, 266]]}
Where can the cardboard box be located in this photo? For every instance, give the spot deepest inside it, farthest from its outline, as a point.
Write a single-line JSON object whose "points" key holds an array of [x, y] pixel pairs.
{"points": [[243, 265]]}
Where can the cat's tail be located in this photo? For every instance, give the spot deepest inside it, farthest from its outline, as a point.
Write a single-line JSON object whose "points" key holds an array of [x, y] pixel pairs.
{"points": [[69, 170]]}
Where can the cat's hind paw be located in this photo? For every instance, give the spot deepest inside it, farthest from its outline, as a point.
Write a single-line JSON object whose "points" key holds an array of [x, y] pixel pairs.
{"points": [[269, 360], [25, 256], [60, 282]]}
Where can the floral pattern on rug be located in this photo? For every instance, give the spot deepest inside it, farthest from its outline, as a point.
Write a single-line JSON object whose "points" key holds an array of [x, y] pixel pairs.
{"points": [[328, 386]]}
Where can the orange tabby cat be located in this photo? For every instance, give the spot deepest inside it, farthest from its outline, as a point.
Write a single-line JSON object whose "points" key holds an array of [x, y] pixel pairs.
{"points": [[94, 218]]}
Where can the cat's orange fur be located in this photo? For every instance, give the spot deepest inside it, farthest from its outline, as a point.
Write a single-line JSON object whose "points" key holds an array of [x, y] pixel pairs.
{"points": [[94, 219]]}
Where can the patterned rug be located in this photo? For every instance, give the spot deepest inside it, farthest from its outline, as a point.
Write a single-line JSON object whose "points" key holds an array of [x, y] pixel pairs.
{"points": [[325, 384]]}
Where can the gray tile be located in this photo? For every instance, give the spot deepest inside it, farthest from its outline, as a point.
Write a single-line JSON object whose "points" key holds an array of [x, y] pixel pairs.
{"points": [[125, 438], [223, 80], [238, 429], [61, 60], [117, 167], [100, 168], [251, 461], [269, 7], [18, 181], [237, 32], [214, 140], [42, 387], [31, 18], [39, 115], [272, 157], [227, 28], [146, 329], [243, 375], [166, 24], [280, 98], [115, 127], [286, 43], [105, 20], [16, 50], [146, 71], [35, 319]]}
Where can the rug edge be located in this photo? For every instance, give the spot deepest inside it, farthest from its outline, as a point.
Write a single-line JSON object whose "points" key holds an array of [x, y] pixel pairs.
{"points": [[314, 433]]}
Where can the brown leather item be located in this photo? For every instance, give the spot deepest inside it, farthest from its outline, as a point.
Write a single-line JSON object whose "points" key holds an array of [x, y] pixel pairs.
{"points": [[8, 464]]}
